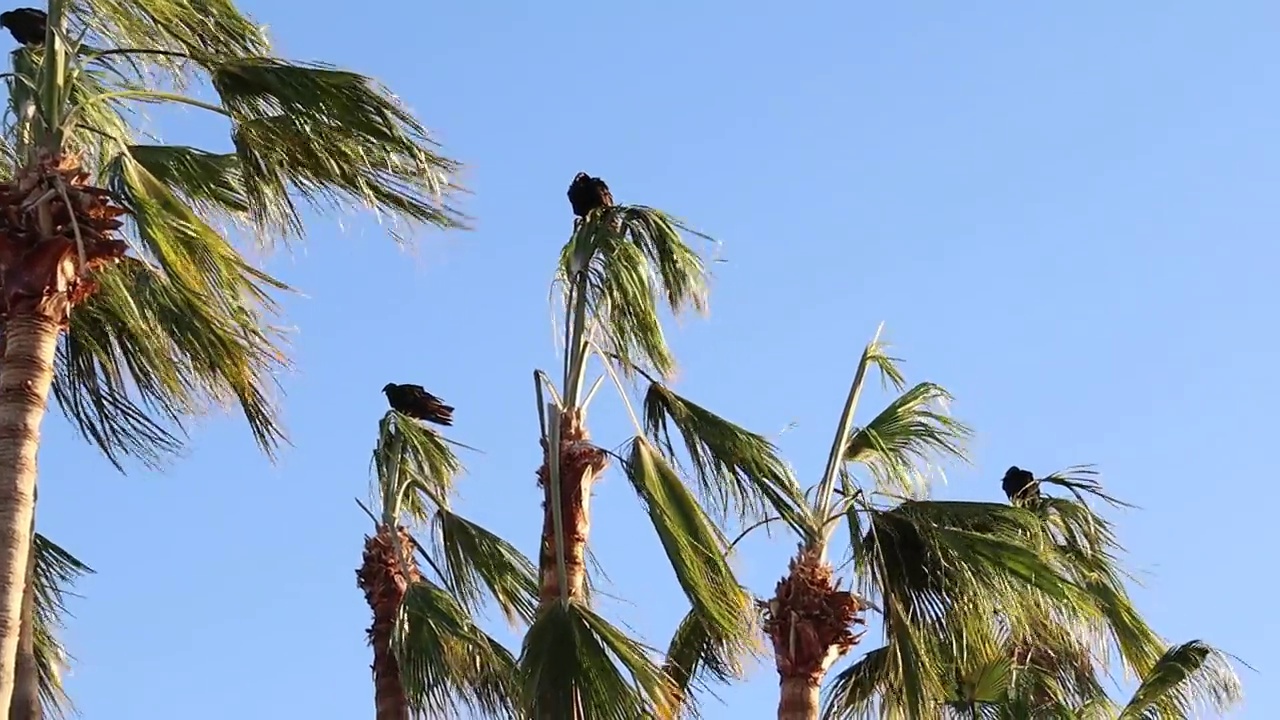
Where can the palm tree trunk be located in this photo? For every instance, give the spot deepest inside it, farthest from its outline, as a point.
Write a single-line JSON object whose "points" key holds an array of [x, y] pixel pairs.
{"points": [[384, 585], [799, 699], [31, 340], [26, 693], [810, 624], [580, 464]]}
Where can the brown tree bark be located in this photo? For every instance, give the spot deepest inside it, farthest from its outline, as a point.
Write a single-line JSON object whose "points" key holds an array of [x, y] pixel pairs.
{"points": [[810, 624], [580, 464], [26, 692], [384, 585], [24, 388]]}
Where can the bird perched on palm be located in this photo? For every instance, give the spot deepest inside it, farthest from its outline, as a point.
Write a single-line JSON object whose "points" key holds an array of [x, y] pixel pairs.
{"points": [[417, 403], [26, 25], [588, 193], [1020, 485]]}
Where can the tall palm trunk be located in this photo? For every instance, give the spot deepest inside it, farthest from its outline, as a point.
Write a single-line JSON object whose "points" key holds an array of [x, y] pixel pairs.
{"points": [[384, 583], [55, 230], [580, 464], [810, 625], [26, 692]]}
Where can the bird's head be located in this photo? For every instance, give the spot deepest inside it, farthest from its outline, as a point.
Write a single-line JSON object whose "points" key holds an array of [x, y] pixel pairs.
{"points": [[581, 177], [1012, 471], [388, 387]]}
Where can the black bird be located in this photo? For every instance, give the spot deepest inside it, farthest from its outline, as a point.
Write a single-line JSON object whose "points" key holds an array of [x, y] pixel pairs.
{"points": [[587, 193], [416, 402], [26, 25], [1020, 485]]}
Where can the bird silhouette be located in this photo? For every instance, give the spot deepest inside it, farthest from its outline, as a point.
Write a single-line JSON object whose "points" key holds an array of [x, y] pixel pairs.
{"points": [[587, 193], [1020, 485], [26, 25], [416, 402]]}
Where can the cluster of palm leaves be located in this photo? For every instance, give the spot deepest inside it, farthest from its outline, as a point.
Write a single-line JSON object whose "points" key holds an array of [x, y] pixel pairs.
{"points": [[985, 609]]}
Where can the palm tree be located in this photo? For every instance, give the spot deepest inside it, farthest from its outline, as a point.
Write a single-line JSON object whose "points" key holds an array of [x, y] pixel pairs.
{"points": [[619, 265], [944, 575], [170, 315], [430, 657]]}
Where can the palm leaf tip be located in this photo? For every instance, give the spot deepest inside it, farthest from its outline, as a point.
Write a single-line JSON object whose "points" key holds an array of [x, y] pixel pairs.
{"points": [[908, 437], [737, 472], [693, 545], [1187, 679], [476, 559], [574, 663], [446, 662]]}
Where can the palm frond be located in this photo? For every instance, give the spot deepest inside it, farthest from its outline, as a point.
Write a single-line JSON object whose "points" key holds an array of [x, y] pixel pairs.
{"points": [[737, 472], [575, 664], [694, 547], [623, 259], [210, 182], [414, 470], [907, 438], [857, 691], [698, 658], [332, 136], [476, 559], [56, 571], [1186, 680], [446, 662]]}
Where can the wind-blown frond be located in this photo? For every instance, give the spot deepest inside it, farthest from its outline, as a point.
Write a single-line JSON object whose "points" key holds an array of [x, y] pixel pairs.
{"points": [[694, 547], [617, 265], [855, 692], [446, 662], [56, 571], [575, 664], [414, 470], [476, 559], [904, 441], [737, 472], [697, 659], [1188, 678]]}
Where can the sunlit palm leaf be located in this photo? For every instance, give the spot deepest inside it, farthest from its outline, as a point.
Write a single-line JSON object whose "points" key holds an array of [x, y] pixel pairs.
{"points": [[447, 664], [697, 659], [1188, 679], [737, 472], [414, 470], [624, 259], [857, 691], [211, 182], [694, 547], [476, 560], [56, 571], [901, 444], [575, 664]]}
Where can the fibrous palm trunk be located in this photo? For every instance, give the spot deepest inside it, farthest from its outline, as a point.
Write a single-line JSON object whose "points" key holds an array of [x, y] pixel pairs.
{"points": [[384, 583], [810, 623], [26, 691], [54, 231], [580, 464]]}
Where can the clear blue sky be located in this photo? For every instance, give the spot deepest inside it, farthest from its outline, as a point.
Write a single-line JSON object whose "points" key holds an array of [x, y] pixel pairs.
{"points": [[1065, 213]]}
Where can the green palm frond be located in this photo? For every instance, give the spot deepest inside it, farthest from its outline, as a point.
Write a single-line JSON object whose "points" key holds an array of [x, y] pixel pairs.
{"points": [[208, 27], [903, 442], [56, 571], [210, 182], [1188, 678], [574, 663], [697, 659], [617, 265], [447, 663], [736, 471], [414, 470], [860, 689], [694, 547], [475, 559]]}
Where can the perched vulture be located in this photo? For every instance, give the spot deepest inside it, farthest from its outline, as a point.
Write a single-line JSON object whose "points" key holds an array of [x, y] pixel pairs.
{"points": [[26, 25], [414, 401], [587, 193], [1020, 484]]}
